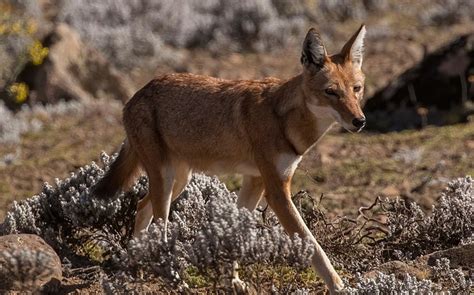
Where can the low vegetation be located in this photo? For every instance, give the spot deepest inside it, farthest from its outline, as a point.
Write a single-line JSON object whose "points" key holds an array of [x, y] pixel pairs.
{"points": [[20, 44], [207, 235]]}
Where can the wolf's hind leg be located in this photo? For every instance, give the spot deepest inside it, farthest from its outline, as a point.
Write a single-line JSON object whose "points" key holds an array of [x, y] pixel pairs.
{"points": [[160, 171], [250, 193], [182, 175], [161, 180], [182, 178], [157, 202], [144, 215]]}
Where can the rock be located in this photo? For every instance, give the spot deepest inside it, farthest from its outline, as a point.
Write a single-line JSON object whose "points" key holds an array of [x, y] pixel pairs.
{"points": [[462, 256], [390, 191], [421, 268], [420, 271], [436, 91], [27, 263], [73, 70]]}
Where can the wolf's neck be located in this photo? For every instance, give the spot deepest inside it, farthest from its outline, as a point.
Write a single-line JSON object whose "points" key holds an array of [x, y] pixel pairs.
{"points": [[302, 128]]}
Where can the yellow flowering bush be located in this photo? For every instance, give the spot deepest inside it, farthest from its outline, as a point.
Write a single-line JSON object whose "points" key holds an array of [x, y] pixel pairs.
{"points": [[19, 92], [12, 24], [37, 53], [19, 28]]}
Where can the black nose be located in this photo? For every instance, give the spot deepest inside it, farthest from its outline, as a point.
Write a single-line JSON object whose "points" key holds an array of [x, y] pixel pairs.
{"points": [[359, 122]]}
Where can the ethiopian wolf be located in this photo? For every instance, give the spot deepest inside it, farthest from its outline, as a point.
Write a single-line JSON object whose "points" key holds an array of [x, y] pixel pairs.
{"points": [[179, 123]]}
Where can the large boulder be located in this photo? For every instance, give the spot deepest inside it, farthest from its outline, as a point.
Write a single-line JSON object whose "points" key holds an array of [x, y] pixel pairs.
{"points": [[27, 263], [73, 71], [439, 90]]}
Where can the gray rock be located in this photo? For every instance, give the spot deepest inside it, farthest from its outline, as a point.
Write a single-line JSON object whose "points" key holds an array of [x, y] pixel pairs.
{"points": [[462, 256], [27, 263], [74, 71]]}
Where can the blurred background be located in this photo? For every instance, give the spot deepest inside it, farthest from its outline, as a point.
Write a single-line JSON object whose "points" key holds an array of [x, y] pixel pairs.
{"points": [[67, 67]]}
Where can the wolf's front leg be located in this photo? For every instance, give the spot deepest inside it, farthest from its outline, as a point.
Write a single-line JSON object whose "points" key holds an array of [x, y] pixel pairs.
{"points": [[278, 196]]}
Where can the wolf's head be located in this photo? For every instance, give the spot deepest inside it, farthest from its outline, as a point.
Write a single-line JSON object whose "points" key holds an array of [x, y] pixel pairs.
{"points": [[334, 84]]}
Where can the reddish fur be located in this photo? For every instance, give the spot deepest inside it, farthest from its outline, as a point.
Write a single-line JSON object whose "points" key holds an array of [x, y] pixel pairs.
{"points": [[183, 122]]}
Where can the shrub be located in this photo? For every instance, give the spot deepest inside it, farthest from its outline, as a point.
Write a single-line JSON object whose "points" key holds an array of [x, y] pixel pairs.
{"points": [[389, 284], [11, 126], [453, 280], [71, 221], [19, 45], [31, 119], [361, 243], [413, 233], [441, 13], [342, 10], [207, 233], [206, 229], [132, 32]]}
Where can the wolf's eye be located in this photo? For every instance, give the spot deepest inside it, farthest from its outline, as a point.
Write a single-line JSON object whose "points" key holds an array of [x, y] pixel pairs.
{"points": [[357, 88], [331, 92]]}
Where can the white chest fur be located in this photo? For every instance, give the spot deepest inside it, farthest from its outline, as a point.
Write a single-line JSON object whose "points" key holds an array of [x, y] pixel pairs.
{"points": [[286, 164]]}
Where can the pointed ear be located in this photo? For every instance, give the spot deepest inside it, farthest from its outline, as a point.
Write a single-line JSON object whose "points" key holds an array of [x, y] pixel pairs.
{"points": [[354, 48], [313, 54]]}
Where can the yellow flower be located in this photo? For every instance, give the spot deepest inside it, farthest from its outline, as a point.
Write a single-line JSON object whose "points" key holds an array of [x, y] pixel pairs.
{"points": [[15, 28], [19, 91], [37, 53], [31, 27], [3, 29], [94, 251]]}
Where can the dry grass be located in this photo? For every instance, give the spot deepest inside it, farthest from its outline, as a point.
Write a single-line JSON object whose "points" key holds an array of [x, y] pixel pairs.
{"points": [[65, 143]]}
